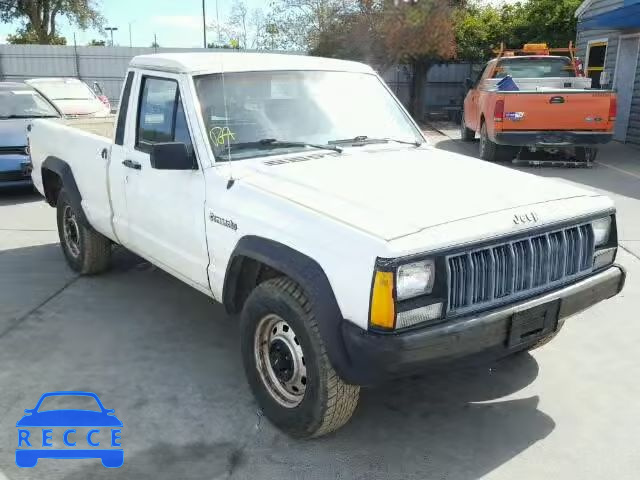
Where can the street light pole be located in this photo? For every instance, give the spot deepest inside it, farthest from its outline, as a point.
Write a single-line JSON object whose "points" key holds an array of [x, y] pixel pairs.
{"points": [[130, 42], [111, 29], [204, 26]]}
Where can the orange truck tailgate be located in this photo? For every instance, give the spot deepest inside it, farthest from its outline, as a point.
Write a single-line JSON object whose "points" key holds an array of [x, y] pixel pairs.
{"points": [[557, 110]]}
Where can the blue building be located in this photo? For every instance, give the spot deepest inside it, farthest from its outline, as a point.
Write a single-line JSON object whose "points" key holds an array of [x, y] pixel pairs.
{"points": [[609, 42]]}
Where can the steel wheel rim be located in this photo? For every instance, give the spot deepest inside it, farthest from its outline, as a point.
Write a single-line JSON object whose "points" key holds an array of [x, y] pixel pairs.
{"points": [[71, 231], [280, 361]]}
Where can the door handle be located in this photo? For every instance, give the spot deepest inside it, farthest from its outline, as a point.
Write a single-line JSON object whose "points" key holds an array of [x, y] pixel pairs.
{"points": [[131, 164]]}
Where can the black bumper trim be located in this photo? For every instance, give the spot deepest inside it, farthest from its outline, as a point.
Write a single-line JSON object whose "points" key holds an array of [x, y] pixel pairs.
{"points": [[552, 138], [375, 357]]}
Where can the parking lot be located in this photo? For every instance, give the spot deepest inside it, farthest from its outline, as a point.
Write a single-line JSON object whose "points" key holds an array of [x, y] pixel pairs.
{"points": [[166, 358]]}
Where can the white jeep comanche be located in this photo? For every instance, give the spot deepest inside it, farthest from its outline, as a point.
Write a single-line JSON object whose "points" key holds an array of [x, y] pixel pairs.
{"points": [[298, 192]]}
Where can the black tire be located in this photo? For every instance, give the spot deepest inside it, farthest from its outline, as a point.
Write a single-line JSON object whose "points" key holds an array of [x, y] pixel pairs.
{"points": [[87, 251], [492, 152], [466, 134], [327, 402], [586, 154]]}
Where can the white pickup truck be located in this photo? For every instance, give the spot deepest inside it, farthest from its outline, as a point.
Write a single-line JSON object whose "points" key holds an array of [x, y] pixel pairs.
{"points": [[298, 192]]}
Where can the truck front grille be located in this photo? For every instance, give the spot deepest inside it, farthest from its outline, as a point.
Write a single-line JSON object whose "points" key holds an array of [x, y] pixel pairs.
{"points": [[481, 277]]}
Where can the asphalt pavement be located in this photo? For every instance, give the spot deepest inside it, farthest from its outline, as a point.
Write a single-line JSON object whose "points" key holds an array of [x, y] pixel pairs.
{"points": [[166, 358]]}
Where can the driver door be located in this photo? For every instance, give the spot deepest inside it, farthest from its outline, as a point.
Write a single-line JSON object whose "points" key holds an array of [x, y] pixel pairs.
{"points": [[165, 207]]}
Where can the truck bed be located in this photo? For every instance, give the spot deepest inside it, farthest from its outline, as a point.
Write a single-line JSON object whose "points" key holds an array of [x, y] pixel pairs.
{"points": [[103, 126], [86, 153]]}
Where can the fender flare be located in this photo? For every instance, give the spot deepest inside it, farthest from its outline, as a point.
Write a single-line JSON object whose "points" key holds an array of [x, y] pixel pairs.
{"points": [[310, 276], [63, 170]]}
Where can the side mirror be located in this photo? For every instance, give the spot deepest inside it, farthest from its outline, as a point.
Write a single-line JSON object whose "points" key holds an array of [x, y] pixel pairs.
{"points": [[171, 156], [97, 89], [468, 83]]}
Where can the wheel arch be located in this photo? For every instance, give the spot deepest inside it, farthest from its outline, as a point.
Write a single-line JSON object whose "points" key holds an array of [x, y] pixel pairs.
{"points": [[243, 274], [56, 175]]}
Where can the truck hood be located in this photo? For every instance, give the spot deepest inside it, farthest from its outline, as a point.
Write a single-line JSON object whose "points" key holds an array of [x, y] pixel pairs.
{"points": [[394, 193]]}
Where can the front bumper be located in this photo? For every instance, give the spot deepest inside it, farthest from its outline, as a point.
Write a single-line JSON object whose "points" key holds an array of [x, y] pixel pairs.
{"points": [[15, 171], [376, 357], [552, 138]]}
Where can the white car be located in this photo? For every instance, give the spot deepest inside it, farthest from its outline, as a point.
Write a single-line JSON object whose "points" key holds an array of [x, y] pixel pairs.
{"points": [[72, 97], [299, 193]]}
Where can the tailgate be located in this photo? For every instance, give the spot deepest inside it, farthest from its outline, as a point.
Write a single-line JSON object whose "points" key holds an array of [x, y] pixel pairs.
{"points": [[559, 110]]}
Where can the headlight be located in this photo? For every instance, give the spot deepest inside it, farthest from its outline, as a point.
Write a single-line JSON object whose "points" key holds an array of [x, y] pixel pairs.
{"points": [[601, 229], [415, 279]]}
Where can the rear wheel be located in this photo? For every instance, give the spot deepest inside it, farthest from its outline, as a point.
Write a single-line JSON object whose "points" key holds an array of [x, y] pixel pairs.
{"points": [[286, 363], [466, 134], [87, 252], [491, 151], [586, 154]]}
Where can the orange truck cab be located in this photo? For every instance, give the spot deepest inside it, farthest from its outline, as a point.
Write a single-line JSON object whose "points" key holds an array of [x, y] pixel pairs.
{"points": [[545, 104]]}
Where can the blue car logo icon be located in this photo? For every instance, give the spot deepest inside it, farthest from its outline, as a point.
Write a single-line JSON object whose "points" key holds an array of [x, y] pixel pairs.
{"points": [[35, 430]]}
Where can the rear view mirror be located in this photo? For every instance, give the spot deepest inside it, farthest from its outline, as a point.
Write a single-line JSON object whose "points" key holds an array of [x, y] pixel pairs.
{"points": [[468, 83], [171, 156]]}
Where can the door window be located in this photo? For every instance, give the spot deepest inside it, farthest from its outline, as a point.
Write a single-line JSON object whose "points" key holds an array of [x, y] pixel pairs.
{"points": [[596, 55], [161, 116]]}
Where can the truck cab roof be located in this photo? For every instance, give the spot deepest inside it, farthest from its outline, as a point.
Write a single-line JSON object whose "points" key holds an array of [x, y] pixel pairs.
{"points": [[217, 62]]}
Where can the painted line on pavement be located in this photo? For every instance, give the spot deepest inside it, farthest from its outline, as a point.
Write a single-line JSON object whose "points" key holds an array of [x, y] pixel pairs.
{"points": [[621, 170]]}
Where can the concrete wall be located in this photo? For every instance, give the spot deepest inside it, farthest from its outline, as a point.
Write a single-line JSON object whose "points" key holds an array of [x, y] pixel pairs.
{"points": [[106, 65]]}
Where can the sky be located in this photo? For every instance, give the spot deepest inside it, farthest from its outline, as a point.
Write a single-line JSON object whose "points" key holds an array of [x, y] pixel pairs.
{"points": [[177, 23]]}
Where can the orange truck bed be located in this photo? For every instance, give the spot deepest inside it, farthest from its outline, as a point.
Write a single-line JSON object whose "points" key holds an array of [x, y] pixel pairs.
{"points": [[537, 117]]}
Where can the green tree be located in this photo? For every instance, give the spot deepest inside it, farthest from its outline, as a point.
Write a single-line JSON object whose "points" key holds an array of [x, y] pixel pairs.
{"points": [[96, 43], [27, 35], [39, 18], [480, 29], [299, 24], [549, 21], [384, 34]]}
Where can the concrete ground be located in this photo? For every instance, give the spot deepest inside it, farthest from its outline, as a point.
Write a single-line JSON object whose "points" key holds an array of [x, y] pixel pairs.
{"points": [[166, 359]]}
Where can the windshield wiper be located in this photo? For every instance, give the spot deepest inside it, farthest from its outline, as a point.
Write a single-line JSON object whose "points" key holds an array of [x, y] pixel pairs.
{"points": [[268, 143], [364, 139]]}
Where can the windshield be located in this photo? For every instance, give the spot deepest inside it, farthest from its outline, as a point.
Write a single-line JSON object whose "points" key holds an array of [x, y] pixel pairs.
{"points": [[534, 67], [22, 103], [65, 90], [66, 402], [266, 111]]}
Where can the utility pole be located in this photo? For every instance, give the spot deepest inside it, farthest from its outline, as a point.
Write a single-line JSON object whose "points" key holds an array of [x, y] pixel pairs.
{"points": [[204, 26], [218, 23], [111, 29], [130, 42]]}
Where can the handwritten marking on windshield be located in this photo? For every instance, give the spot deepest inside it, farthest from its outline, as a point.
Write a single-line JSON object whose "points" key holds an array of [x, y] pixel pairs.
{"points": [[221, 135]]}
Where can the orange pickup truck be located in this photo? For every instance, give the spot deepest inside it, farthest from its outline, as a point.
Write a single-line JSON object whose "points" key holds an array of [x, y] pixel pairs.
{"points": [[551, 107]]}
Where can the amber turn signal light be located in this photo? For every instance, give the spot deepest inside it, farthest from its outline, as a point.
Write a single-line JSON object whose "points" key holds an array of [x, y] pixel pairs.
{"points": [[383, 312]]}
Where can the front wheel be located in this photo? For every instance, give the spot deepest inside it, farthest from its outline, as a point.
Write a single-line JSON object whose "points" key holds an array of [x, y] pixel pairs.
{"points": [[286, 363], [87, 252]]}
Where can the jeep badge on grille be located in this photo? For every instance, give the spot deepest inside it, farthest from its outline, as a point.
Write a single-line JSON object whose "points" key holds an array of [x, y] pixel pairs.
{"points": [[519, 219]]}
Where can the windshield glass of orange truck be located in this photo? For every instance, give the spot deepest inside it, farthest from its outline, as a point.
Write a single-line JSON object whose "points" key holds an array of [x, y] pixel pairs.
{"points": [[251, 114], [534, 67]]}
